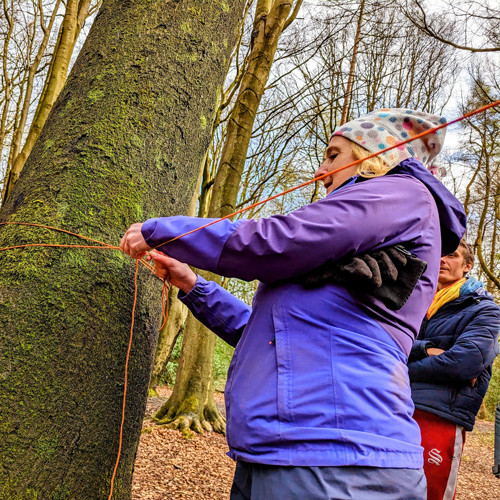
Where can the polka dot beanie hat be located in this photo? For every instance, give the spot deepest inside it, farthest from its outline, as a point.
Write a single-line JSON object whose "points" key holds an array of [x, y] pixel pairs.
{"points": [[386, 127]]}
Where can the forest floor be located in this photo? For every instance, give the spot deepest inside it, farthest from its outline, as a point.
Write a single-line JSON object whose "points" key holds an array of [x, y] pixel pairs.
{"points": [[170, 467]]}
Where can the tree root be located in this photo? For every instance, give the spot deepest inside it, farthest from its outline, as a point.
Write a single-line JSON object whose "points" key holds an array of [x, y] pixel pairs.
{"points": [[187, 422]]}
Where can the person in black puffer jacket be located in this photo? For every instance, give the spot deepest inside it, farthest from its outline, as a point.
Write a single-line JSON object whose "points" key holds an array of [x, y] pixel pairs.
{"points": [[450, 368]]}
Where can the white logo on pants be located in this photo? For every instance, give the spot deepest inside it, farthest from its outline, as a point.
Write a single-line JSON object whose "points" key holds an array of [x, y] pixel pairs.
{"points": [[435, 457]]}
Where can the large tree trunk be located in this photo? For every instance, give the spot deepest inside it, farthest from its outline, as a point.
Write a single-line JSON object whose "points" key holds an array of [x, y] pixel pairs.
{"points": [[191, 404], [124, 142]]}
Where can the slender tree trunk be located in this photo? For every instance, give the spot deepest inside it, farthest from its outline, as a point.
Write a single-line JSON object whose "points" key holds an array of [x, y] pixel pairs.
{"points": [[18, 134], [352, 69], [191, 404], [75, 14], [494, 238], [124, 142], [271, 18], [5, 79], [28, 91], [169, 334]]}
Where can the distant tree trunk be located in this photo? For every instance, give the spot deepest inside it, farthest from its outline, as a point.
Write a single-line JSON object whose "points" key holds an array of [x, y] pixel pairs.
{"points": [[177, 314], [191, 404], [124, 142], [482, 196], [482, 413], [271, 18], [352, 69], [33, 68], [5, 76], [74, 17]]}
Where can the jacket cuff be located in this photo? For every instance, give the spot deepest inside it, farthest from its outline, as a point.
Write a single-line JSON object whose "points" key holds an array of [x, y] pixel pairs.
{"points": [[424, 346], [199, 290], [419, 350], [147, 230]]}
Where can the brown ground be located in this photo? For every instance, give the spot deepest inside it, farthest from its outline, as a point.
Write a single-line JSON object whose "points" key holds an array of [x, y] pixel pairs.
{"points": [[169, 467]]}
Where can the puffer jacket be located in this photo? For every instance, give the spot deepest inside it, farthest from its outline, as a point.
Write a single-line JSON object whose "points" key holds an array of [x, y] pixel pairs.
{"points": [[319, 378], [467, 329]]}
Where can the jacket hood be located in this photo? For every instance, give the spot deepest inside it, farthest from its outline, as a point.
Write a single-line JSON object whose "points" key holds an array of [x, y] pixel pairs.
{"points": [[474, 287], [451, 212]]}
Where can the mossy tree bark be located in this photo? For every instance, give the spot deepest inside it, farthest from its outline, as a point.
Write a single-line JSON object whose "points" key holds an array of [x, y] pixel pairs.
{"points": [[191, 404], [124, 142]]}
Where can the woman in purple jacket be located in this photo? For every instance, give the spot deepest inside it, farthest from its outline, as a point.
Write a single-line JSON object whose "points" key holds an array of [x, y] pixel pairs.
{"points": [[318, 398]]}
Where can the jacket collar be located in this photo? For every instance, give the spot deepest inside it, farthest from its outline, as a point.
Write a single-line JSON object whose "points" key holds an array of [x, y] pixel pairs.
{"points": [[452, 216], [346, 183], [471, 290]]}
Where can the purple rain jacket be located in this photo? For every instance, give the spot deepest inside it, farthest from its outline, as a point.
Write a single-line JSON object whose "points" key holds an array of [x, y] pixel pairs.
{"points": [[317, 377]]}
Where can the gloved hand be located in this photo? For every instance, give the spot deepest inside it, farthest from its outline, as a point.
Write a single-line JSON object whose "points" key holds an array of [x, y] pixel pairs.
{"points": [[389, 274], [375, 267]]}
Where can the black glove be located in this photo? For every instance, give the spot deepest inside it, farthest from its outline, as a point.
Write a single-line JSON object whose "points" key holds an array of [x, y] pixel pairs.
{"points": [[389, 274]]}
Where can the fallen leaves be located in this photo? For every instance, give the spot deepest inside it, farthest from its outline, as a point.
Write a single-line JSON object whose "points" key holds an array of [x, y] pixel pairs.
{"points": [[170, 467]]}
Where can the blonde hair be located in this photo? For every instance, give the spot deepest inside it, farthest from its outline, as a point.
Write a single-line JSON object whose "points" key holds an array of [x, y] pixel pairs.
{"points": [[373, 167]]}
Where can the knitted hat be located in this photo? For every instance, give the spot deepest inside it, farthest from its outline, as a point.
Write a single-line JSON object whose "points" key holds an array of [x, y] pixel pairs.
{"points": [[386, 127]]}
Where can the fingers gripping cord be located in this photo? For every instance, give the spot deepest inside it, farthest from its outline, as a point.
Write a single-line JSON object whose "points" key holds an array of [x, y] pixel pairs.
{"points": [[99, 245]]}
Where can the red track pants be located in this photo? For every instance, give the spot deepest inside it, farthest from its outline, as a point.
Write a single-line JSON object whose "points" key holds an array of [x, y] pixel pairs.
{"points": [[443, 442]]}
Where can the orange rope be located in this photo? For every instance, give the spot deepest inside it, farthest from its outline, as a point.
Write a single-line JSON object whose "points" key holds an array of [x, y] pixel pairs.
{"points": [[102, 246], [107, 247], [164, 297], [126, 379], [316, 179], [57, 229], [166, 287]]}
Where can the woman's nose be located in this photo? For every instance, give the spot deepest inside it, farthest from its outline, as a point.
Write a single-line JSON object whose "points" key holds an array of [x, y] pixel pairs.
{"points": [[321, 170]]}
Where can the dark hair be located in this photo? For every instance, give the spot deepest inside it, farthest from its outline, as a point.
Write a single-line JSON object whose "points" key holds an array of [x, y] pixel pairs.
{"points": [[468, 252]]}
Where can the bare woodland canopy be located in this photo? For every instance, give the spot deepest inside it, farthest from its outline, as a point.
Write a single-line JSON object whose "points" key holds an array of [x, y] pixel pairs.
{"points": [[408, 54], [298, 69]]}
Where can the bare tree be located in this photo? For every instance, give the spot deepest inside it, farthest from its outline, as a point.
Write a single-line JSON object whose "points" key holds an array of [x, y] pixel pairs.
{"points": [[38, 48], [191, 404], [478, 22], [481, 152]]}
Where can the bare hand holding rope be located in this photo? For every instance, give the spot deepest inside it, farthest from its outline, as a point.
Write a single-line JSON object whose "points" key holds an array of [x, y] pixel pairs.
{"points": [[166, 268], [174, 271], [133, 243]]}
